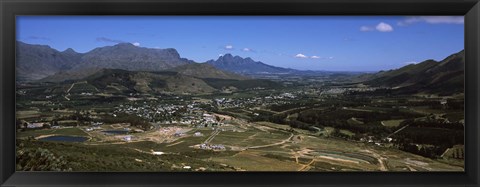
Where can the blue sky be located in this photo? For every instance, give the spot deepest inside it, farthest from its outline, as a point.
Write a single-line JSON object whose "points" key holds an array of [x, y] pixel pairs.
{"points": [[336, 43]]}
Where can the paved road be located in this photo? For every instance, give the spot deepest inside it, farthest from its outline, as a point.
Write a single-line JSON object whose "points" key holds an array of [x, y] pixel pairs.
{"points": [[397, 131], [210, 138]]}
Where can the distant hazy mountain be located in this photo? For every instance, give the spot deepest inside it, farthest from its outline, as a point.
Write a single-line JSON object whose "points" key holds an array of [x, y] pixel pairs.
{"points": [[430, 76], [241, 65], [126, 56], [35, 62], [203, 70], [38, 61]]}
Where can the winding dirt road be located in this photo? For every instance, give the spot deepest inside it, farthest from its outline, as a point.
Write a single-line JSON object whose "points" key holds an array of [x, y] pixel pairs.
{"points": [[273, 144]]}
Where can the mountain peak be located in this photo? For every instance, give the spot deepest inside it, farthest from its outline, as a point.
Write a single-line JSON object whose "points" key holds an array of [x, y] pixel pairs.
{"points": [[38, 46], [38, 61], [444, 78], [127, 56], [172, 51], [237, 64], [124, 45], [227, 55], [230, 58], [69, 50]]}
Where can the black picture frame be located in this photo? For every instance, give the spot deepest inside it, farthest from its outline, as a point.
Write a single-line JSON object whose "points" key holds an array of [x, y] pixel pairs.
{"points": [[11, 8]]}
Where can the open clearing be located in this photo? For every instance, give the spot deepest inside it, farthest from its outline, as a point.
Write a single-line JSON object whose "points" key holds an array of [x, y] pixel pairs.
{"points": [[254, 162], [27, 114], [392, 123], [73, 131]]}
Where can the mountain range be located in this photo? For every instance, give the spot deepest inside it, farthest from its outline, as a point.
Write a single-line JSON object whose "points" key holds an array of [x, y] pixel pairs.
{"points": [[35, 62], [247, 65], [443, 77], [42, 63], [38, 61], [126, 56], [125, 68]]}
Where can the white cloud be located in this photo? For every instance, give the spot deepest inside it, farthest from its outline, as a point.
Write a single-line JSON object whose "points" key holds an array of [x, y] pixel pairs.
{"points": [[299, 55], [433, 20], [229, 47], [136, 44], [366, 28], [246, 49], [381, 27], [384, 27], [220, 55]]}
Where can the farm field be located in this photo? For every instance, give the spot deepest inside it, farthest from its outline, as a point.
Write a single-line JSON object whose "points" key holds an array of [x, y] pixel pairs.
{"points": [[72, 131], [258, 148]]}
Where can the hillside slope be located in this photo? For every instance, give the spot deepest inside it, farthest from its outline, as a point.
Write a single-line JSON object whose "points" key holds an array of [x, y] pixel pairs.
{"points": [[445, 77]]}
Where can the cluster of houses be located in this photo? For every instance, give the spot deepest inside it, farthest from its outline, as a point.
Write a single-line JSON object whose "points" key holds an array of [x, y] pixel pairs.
{"points": [[169, 113], [149, 112], [283, 98], [212, 146], [335, 91], [35, 125], [376, 140], [89, 129], [179, 134], [39, 125]]}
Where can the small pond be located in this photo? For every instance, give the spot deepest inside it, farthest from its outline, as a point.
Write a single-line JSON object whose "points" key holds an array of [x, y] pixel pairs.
{"points": [[65, 138]]}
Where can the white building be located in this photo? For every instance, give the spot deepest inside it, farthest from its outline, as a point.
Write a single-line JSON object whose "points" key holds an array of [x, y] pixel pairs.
{"points": [[198, 134], [127, 138], [157, 153]]}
